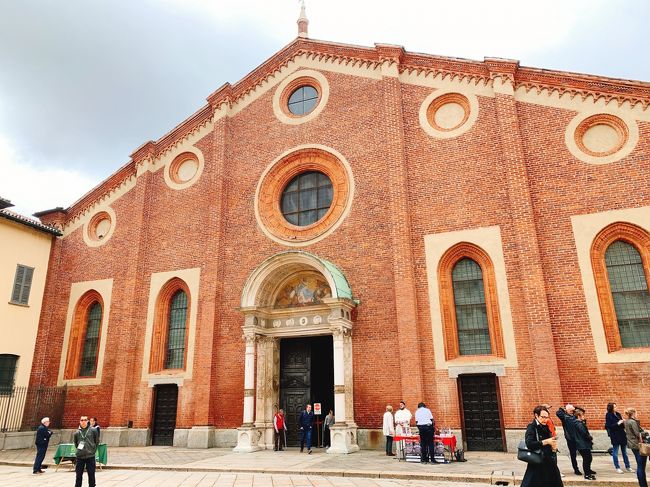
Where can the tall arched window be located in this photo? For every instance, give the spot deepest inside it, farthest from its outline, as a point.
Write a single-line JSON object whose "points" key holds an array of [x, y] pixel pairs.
{"points": [[469, 303], [169, 338], [91, 342], [471, 312], [621, 262], [83, 347], [176, 331]]}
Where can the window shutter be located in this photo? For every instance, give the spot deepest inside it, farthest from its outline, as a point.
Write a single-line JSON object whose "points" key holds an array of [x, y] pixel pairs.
{"points": [[18, 284], [27, 285]]}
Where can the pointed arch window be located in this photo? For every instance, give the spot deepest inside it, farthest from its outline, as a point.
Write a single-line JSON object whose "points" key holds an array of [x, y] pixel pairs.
{"points": [[83, 349], [169, 340], [621, 262], [469, 304]]}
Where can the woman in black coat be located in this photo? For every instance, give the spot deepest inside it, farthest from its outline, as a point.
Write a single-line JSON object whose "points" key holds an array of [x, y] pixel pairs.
{"points": [[538, 436], [615, 426]]}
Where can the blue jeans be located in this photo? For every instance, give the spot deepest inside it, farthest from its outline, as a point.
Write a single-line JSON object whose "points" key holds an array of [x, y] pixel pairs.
{"points": [[40, 456], [305, 434], [615, 455], [640, 468]]}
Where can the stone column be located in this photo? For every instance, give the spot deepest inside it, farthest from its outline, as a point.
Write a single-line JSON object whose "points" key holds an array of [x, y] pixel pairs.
{"points": [[247, 435], [343, 437], [266, 390]]}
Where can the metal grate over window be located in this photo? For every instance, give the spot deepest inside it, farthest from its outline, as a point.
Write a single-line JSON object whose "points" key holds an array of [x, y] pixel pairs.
{"points": [[307, 198], [471, 312], [303, 100], [176, 333], [629, 287], [89, 355]]}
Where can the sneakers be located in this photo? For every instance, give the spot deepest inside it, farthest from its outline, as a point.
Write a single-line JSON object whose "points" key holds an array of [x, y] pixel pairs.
{"points": [[577, 472], [618, 470], [309, 451], [590, 477], [629, 469]]}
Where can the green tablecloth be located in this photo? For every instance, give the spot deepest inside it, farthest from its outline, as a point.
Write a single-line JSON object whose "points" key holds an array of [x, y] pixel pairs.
{"points": [[67, 451]]}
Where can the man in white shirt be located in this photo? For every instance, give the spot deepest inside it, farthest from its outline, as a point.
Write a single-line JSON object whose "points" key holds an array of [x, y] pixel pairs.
{"points": [[389, 430], [424, 421], [402, 426]]}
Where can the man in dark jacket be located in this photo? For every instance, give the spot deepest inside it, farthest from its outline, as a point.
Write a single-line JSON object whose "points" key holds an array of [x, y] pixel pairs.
{"points": [[584, 440], [85, 440], [42, 441], [569, 435], [306, 422]]}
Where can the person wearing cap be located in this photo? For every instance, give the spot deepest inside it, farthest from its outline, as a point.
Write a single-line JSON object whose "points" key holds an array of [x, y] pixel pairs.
{"points": [[569, 434], [42, 441]]}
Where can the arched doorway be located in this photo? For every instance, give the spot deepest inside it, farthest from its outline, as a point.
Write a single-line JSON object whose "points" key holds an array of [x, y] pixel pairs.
{"points": [[291, 303]]}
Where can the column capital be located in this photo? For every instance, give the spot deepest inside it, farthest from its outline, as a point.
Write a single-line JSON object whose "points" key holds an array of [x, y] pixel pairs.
{"points": [[250, 337], [340, 332]]}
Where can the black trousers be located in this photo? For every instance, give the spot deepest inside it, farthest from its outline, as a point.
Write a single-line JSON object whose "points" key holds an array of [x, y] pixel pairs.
{"points": [[40, 456], [389, 445], [279, 440], [327, 437], [573, 451], [586, 461], [426, 443], [89, 464]]}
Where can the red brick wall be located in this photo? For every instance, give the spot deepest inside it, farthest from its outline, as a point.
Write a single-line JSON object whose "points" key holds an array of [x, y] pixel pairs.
{"points": [[407, 185]]}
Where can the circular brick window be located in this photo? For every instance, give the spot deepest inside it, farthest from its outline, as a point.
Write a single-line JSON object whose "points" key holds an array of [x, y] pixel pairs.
{"points": [[99, 226], [184, 168], [601, 135], [300, 97], [303, 195], [448, 112]]}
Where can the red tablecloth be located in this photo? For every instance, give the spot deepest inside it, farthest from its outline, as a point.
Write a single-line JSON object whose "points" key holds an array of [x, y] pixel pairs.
{"points": [[447, 440]]}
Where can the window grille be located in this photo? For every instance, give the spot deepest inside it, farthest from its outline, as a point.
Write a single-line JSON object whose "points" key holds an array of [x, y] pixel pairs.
{"points": [[91, 342], [629, 286], [176, 333], [303, 100], [471, 311], [7, 372], [22, 284], [307, 198]]}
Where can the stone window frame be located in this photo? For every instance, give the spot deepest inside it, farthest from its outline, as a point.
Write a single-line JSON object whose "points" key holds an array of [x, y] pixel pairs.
{"points": [[639, 238], [90, 237], [447, 303], [78, 334], [292, 82], [172, 162], [159, 340]]}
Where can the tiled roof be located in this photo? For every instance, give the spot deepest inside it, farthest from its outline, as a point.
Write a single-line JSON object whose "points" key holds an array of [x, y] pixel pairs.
{"points": [[30, 222]]}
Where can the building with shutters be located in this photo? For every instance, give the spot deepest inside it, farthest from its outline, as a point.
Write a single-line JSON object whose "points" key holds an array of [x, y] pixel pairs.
{"points": [[355, 226], [25, 245]]}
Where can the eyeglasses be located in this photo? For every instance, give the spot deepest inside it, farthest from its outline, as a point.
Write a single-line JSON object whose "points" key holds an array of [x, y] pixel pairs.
{"points": [[545, 417]]}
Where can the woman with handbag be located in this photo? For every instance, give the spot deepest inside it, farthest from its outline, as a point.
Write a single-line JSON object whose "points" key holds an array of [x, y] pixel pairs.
{"points": [[635, 436], [542, 446]]}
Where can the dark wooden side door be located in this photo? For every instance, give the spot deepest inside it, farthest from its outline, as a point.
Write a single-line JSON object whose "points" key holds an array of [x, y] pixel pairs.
{"points": [[479, 397], [164, 414], [295, 392]]}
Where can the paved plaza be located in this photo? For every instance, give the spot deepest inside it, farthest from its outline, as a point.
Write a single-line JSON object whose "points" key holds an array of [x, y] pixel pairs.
{"points": [[167, 466]]}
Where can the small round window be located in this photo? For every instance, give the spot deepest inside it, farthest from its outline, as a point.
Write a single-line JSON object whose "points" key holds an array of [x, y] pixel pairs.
{"points": [[303, 100], [307, 198]]}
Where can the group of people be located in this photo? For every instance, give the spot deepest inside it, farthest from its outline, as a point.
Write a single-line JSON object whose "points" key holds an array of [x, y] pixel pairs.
{"points": [[305, 426], [86, 439], [400, 425], [541, 436]]}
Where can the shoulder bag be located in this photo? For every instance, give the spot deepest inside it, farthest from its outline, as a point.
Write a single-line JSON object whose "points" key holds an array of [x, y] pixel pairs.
{"points": [[536, 457], [644, 448]]}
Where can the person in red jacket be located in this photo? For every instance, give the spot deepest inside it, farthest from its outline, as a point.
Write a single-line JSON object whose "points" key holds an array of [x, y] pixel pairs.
{"points": [[280, 426]]}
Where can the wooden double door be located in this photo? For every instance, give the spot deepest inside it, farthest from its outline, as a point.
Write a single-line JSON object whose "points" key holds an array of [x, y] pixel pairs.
{"points": [[306, 376], [481, 412]]}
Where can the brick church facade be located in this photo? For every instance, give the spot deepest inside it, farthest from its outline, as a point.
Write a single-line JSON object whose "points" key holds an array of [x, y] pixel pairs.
{"points": [[355, 226]]}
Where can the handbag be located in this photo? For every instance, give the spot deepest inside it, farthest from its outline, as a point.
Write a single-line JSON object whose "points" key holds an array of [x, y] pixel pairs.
{"points": [[644, 448], [536, 457]]}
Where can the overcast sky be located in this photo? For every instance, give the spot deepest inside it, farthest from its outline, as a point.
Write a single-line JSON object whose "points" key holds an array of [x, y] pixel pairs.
{"points": [[83, 83]]}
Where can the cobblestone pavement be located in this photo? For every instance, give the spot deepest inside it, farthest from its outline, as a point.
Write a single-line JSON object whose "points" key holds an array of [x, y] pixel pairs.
{"points": [[21, 476], [148, 461]]}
